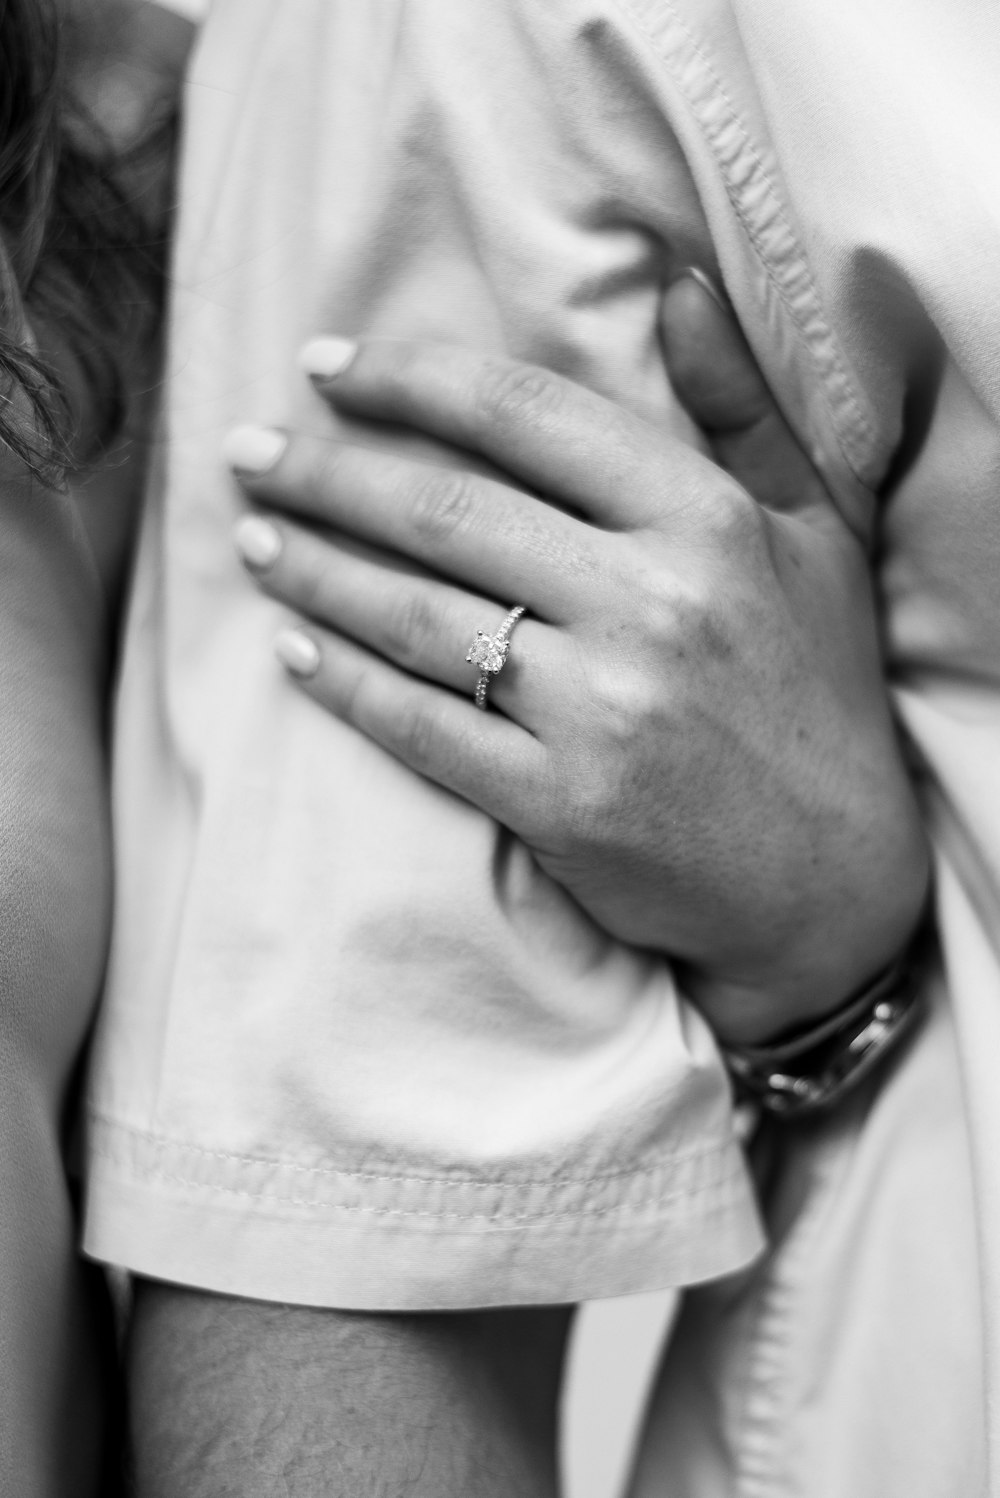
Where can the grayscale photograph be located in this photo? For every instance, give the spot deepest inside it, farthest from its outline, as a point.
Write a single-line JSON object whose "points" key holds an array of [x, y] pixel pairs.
{"points": [[499, 749]]}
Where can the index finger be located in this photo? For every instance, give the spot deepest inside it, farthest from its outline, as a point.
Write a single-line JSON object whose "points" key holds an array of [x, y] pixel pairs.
{"points": [[546, 431]]}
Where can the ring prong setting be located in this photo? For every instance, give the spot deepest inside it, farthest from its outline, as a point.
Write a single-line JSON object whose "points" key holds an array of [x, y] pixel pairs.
{"points": [[488, 652]]}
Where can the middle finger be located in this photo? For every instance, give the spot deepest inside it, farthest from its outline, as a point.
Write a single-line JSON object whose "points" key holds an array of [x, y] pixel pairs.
{"points": [[407, 616], [476, 530]]}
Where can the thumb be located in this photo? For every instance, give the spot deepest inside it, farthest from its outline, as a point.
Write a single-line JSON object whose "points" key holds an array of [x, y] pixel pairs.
{"points": [[716, 379]]}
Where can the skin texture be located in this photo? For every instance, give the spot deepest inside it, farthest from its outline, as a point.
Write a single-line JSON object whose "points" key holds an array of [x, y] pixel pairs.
{"points": [[54, 906], [62, 559], [235, 1397], [692, 733], [127, 59], [63, 556]]}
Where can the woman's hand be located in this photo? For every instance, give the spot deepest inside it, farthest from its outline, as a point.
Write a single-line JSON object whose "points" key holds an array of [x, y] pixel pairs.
{"points": [[691, 732]]}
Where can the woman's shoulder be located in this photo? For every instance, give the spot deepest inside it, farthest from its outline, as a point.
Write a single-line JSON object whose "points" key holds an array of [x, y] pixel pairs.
{"points": [[53, 665], [128, 59]]}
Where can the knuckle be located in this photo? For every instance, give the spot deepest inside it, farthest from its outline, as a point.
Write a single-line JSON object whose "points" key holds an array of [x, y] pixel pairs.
{"points": [[625, 703], [671, 602], [688, 609], [351, 691], [409, 625], [441, 505], [589, 815], [400, 373], [693, 628], [416, 733], [516, 394], [309, 581], [327, 466], [733, 520], [625, 711], [547, 799], [542, 822]]}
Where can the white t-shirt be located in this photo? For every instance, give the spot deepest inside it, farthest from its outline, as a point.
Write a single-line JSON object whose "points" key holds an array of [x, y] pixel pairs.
{"points": [[357, 1049], [193, 10]]}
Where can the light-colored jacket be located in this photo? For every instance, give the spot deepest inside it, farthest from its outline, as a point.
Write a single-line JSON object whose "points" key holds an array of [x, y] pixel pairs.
{"points": [[847, 152]]}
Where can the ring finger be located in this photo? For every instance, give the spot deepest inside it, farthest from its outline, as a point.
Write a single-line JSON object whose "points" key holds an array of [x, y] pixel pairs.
{"points": [[474, 529], [393, 607]]}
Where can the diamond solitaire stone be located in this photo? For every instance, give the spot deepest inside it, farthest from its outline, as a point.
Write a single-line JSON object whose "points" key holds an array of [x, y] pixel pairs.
{"points": [[488, 652]]}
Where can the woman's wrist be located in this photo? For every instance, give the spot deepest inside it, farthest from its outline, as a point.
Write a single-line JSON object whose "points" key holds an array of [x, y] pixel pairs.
{"points": [[814, 1069], [801, 984]]}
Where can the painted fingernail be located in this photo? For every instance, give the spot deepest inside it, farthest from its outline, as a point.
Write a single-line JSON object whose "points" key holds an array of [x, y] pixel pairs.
{"points": [[297, 652], [253, 450], [696, 274], [325, 358], [257, 541]]}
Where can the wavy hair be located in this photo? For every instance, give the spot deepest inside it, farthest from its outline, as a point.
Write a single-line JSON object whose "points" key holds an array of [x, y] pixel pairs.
{"points": [[75, 252]]}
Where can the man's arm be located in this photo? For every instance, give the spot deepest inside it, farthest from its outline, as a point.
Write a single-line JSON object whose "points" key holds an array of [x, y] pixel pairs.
{"points": [[236, 1396]]}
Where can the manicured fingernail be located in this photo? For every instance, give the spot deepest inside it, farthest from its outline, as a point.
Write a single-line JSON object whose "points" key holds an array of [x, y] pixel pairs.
{"points": [[257, 541], [325, 358], [297, 652], [696, 274], [253, 450]]}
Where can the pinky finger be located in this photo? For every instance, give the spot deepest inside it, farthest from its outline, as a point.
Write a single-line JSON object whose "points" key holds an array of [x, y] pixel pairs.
{"points": [[483, 757]]}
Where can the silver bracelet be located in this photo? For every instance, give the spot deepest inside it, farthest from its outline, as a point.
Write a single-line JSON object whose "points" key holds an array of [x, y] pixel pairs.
{"points": [[814, 1069]]}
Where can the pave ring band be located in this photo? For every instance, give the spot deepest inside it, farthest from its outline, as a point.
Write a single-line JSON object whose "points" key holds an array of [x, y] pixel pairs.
{"points": [[489, 653]]}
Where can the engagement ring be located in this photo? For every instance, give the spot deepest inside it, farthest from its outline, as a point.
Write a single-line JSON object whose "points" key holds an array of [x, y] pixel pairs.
{"points": [[489, 653]]}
